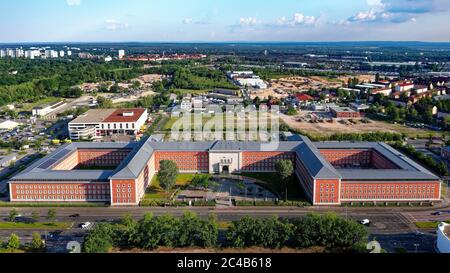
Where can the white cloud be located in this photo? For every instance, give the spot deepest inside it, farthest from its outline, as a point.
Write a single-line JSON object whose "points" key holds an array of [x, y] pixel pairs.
{"points": [[298, 19], [73, 2], [188, 21], [113, 24], [249, 21]]}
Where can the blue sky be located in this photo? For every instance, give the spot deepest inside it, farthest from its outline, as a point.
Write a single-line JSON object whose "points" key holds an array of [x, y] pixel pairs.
{"points": [[224, 20]]}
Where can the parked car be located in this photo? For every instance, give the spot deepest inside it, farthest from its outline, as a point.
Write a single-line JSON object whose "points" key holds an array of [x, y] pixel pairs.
{"points": [[365, 222], [86, 225]]}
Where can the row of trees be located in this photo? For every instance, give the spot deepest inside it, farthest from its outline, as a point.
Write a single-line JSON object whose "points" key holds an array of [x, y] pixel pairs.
{"points": [[329, 231], [13, 244], [437, 167], [152, 232]]}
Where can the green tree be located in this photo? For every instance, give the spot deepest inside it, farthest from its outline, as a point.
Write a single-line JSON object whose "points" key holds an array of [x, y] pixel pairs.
{"points": [[327, 230], [291, 111], [268, 233], [167, 175], [100, 239], [195, 231], [51, 215], [104, 102], [284, 169], [13, 242], [12, 215], [37, 243], [35, 216]]}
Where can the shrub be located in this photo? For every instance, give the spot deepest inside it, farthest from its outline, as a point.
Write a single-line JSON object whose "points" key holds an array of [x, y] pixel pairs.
{"points": [[100, 239], [326, 230], [269, 233]]}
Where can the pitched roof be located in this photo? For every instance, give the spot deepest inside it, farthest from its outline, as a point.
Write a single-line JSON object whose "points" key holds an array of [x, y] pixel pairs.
{"points": [[317, 166]]}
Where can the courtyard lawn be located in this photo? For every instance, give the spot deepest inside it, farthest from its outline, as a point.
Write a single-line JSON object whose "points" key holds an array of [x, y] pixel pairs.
{"points": [[272, 183], [156, 192], [38, 225], [428, 225]]}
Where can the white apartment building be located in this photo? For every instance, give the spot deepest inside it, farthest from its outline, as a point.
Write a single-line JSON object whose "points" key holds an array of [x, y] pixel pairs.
{"points": [[51, 53], [121, 54], [97, 123], [186, 104]]}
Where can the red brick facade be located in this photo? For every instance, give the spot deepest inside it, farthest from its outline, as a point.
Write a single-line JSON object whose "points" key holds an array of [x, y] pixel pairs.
{"points": [[347, 157], [263, 161], [186, 161], [105, 158], [327, 192], [60, 192], [123, 192], [362, 158], [92, 158], [389, 191]]}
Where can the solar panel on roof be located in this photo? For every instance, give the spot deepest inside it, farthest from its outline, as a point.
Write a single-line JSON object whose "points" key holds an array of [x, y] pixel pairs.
{"points": [[61, 154], [47, 164]]}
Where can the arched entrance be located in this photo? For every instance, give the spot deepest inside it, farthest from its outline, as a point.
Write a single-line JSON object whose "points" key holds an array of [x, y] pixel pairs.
{"points": [[226, 170]]}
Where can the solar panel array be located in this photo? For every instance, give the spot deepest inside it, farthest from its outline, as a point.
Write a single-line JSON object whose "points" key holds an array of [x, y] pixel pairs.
{"points": [[55, 158]]}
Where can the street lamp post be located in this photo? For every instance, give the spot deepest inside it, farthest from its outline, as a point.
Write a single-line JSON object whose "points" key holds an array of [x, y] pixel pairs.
{"points": [[416, 246]]}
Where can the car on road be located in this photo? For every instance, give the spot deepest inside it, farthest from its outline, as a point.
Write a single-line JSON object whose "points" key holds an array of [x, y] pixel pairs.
{"points": [[54, 234], [86, 225], [437, 213], [365, 222], [76, 215]]}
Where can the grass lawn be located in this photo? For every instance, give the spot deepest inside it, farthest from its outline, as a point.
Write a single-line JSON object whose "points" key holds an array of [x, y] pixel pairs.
{"points": [[428, 225], [30, 106], [191, 91], [156, 192], [49, 226], [11, 251], [272, 182]]}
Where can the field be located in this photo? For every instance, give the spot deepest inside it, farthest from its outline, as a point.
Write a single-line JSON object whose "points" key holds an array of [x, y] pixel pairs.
{"points": [[325, 128], [190, 91], [29, 106]]}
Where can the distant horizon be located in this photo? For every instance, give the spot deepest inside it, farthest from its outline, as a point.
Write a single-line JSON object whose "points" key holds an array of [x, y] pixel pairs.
{"points": [[226, 42]]}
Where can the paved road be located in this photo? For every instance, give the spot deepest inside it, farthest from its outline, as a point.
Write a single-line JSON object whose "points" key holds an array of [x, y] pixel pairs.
{"points": [[394, 229], [384, 222]]}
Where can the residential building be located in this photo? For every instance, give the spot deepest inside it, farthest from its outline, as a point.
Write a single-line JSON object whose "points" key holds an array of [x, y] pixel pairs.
{"points": [[121, 54]]}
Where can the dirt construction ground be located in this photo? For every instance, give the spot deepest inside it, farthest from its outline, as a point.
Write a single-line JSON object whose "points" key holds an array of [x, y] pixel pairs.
{"points": [[325, 128], [281, 88]]}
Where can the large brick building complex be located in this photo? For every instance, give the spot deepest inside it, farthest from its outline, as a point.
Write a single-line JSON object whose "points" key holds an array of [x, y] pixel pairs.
{"points": [[331, 173]]}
